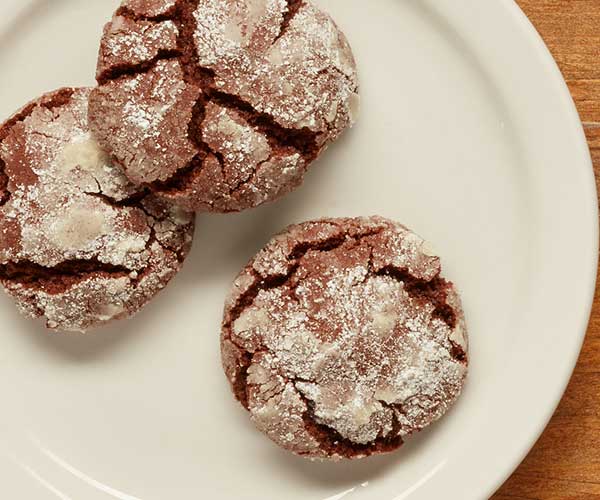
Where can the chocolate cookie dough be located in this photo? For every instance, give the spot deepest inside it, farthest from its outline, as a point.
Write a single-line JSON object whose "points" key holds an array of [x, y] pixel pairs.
{"points": [[341, 338], [79, 246], [221, 105]]}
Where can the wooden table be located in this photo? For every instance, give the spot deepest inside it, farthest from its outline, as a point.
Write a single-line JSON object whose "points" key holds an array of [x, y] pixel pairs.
{"points": [[565, 463]]}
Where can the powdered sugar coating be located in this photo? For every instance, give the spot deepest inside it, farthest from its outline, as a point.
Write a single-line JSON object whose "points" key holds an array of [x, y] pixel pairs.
{"points": [[341, 338], [150, 8], [146, 119], [247, 172], [303, 75], [282, 70], [79, 245], [135, 41]]}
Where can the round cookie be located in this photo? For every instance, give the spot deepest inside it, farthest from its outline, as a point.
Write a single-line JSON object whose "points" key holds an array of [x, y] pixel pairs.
{"points": [[221, 105], [79, 246], [341, 338]]}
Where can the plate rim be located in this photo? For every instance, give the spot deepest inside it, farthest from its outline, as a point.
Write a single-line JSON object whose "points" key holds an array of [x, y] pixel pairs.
{"points": [[543, 51]]}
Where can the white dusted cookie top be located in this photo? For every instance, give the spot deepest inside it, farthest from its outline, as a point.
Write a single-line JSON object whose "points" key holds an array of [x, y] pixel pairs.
{"points": [[287, 59], [341, 338], [79, 245], [280, 69]]}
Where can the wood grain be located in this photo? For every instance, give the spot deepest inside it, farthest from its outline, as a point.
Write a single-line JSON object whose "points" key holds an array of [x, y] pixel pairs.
{"points": [[565, 462]]}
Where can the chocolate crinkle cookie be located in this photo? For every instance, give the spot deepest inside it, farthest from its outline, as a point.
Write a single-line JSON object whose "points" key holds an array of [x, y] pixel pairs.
{"points": [[79, 246], [341, 338], [221, 105]]}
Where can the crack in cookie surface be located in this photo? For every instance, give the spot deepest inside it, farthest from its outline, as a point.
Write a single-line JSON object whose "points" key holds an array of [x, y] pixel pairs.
{"points": [[189, 177], [4, 191], [332, 443], [293, 6], [81, 245], [325, 326], [59, 278]]}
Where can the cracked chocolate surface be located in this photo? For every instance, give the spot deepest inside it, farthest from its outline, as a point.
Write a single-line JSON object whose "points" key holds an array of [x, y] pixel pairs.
{"points": [[221, 105], [341, 338], [80, 245]]}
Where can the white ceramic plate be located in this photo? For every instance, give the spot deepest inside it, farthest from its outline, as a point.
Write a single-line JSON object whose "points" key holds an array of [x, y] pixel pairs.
{"points": [[468, 135]]}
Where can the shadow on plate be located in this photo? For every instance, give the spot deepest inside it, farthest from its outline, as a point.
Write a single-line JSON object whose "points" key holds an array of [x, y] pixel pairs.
{"points": [[347, 474], [82, 348]]}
